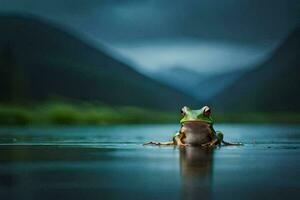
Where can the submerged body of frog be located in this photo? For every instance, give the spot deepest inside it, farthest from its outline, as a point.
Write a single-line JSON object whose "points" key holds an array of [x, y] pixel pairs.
{"points": [[196, 129]]}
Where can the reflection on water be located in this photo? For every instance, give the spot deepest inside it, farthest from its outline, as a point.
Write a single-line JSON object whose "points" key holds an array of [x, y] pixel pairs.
{"points": [[196, 172], [111, 163]]}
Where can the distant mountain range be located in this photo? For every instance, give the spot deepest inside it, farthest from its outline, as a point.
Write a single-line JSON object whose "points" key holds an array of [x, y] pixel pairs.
{"points": [[272, 86], [191, 82], [206, 88], [178, 77], [40, 61]]}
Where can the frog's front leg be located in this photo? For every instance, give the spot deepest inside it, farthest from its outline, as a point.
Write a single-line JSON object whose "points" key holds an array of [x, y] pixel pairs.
{"points": [[211, 143], [178, 141], [220, 140], [217, 140]]}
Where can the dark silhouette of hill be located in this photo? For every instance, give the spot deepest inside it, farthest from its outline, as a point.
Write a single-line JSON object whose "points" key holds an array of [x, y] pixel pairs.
{"points": [[40, 60], [272, 86]]}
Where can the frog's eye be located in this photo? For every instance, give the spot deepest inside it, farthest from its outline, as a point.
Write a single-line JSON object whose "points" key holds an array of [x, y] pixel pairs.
{"points": [[207, 111], [182, 111]]}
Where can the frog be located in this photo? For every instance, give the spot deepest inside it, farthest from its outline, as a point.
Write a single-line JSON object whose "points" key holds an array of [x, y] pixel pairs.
{"points": [[193, 122]]}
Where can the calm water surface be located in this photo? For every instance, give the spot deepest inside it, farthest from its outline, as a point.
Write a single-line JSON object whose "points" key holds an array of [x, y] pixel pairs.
{"points": [[111, 163]]}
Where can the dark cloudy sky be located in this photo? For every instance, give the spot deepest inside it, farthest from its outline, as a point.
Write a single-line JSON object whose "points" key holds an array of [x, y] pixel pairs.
{"points": [[206, 35]]}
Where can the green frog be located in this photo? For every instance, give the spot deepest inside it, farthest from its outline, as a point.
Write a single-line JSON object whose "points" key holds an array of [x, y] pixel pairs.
{"points": [[196, 129]]}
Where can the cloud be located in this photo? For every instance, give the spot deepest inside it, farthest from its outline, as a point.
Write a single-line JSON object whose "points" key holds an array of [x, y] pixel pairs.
{"points": [[203, 56], [206, 35], [240, 20]]}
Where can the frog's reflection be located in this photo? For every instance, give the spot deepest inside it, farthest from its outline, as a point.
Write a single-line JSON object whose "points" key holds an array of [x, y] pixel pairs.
{"points": [[196, 172]]}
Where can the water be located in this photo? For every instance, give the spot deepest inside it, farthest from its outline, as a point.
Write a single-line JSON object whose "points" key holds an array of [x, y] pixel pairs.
{"points": [[111, 163]]}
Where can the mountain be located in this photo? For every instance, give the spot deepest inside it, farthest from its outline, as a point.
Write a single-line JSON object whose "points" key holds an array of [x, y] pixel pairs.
{"points": [[40, 60], [180, 78], [272, 86], [191, 82], [213, 84]]}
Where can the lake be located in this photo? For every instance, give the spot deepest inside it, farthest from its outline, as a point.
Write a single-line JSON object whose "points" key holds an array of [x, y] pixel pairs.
{"points": [[110, 162]]}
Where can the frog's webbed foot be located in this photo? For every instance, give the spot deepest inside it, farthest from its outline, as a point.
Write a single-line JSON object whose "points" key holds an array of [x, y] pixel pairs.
{"points": [[159, 143], [151, 142], [220, 138], [231, 144]]}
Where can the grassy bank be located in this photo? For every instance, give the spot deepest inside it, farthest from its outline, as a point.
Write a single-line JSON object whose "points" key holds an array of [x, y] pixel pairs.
{"points": [[64, 113], [92, 114]]}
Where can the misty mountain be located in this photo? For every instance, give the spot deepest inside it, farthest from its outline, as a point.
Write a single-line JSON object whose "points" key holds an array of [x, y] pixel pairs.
{"points": [[180, 78], [215, 83], [200, 86], [40, 61], [272, 86]]}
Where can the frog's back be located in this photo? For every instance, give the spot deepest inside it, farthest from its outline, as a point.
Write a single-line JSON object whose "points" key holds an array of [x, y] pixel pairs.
{"points": [[197, 132]]}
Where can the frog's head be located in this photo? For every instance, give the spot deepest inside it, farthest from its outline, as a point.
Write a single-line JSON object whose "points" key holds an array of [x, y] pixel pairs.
{"points": [[203, 114]]}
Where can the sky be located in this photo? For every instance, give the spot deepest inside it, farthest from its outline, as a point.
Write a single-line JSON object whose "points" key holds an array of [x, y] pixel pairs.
{"points": [[205, 35]]}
